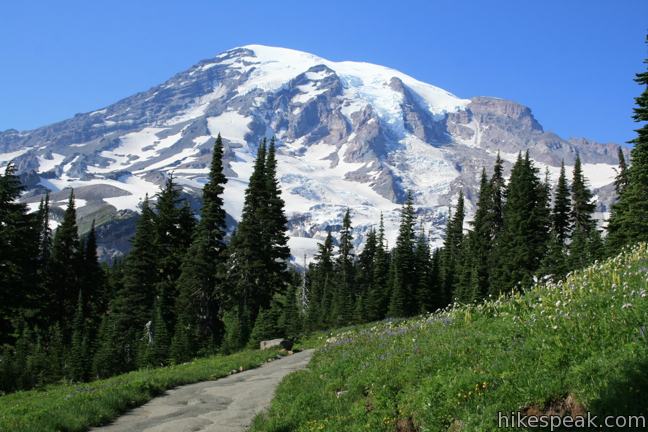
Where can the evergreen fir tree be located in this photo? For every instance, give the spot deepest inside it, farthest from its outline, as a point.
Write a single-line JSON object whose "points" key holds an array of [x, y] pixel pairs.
{"points": [[121, 331], [452, 248], [45, 232], [157, 351], [64, 275], [265, 327], [438, 298], [621, 179], [484, 231], [173, 233], [403, 291], [290, 320], [497, 186], [554, 262], [629, 220], [561, 218], [423, 268], [79, 347], [585, 241], [364, 276], [322, 285], [18, 254], [199, 305], [275, 225], [247, 265], [342, 304], [377, 298], [522, 242], [92, 280]]}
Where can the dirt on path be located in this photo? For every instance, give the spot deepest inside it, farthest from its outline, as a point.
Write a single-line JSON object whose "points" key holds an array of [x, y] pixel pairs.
{"points": [[225, 405]]}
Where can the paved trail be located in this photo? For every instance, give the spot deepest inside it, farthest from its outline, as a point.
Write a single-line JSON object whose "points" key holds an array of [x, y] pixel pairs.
{"points": [[225, 405]]}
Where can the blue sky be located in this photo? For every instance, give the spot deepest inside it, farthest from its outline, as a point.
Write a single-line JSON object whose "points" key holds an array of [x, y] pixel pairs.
{"points": [[572, 61]]}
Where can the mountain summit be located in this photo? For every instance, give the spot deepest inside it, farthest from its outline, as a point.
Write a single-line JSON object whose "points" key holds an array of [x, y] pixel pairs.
{"points": [[350, 134]]}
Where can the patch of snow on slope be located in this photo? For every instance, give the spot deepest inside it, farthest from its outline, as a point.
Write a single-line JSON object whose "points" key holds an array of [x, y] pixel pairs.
{"points": [[138, 188], [424, 169], [598, 175], [272, 67], [172, 161], [45, 165], [136, 147], [78, 203], [200, 106], [231, 125], [5, 158], [135, 189], [308, 92]]}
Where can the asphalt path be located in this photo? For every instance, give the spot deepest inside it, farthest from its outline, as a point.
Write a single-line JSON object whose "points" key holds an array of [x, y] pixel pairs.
{"points": [[225, 405]]}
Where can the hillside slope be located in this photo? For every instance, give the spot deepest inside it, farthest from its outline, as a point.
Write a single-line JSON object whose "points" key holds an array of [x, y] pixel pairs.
{"points": [[577, 345]]}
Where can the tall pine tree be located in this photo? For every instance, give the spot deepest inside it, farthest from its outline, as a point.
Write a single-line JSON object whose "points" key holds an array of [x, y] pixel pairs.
{"points": [[199, 306], [629, 220], [585, 244], [343, 300], [404, 284], [65, 269]]}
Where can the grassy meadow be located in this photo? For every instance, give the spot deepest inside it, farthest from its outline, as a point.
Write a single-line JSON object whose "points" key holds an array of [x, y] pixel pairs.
{"points": [[581, 344], [76, 407]]}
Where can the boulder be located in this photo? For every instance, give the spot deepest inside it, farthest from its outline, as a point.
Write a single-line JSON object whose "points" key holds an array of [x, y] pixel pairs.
{"points": [[272, 343]]}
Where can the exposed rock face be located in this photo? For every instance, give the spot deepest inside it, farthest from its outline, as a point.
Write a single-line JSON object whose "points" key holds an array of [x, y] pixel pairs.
{"points": [[349, 134]]}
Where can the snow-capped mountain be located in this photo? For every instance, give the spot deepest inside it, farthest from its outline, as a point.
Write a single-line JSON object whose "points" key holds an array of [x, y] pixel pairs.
{"points": [[350, 134]]}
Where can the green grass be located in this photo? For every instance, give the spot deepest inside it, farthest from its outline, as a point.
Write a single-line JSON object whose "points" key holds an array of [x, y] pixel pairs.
{"points": [[586, 337], [76, 407]]}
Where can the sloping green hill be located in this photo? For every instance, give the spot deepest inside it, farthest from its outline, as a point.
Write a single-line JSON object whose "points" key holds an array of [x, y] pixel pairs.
{"points": [[577, 345]]}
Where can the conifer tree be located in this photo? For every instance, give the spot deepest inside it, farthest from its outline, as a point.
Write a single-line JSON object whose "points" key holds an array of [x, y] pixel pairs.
{"points": [[173, 225], [585, 241], [79, 355], [621, 179], [120, 334], [364, 276], [342, 307], [554, 262], [92, 280], [561, 217], [438, 299], [522, 242], [64, 275], [404, 287], [157, 351], [452, 248], [290, 320], [497, 186], [248, 288], [423, 267], [377, 298], [275, 225], [322, 285], [18, 253], [466, 285], [45, 236], [629, 220], [199, 305], [265, 327], [480, 246]]}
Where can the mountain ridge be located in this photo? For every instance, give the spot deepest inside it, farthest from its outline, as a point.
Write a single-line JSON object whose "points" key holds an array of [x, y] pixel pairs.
{"points": [[350, 134]]}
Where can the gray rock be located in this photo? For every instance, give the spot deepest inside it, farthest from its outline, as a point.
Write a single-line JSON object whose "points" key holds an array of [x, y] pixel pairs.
{"points": [[274, 343]]}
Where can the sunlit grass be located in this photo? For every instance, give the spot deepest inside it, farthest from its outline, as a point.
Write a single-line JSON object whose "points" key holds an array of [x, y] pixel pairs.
{"points": [[586, 337], [75, 407]]}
